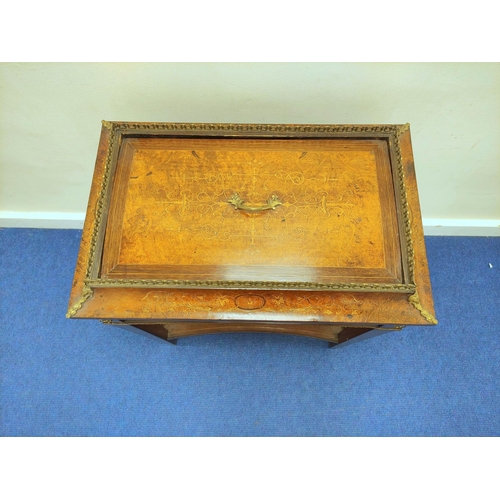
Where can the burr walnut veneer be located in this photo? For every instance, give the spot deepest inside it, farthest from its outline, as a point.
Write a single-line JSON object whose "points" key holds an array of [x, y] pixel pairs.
{"points": [[303, 229]]}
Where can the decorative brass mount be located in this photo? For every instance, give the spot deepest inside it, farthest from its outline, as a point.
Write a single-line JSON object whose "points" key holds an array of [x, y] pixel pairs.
{"points": [[239, 204]]}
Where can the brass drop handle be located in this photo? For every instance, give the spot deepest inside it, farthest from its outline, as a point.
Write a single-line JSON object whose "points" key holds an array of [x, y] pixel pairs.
{"points": [[239, 204]]}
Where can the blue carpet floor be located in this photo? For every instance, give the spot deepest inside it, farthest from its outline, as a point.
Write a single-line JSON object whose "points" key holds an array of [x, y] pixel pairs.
{"points": [[65, 377]]}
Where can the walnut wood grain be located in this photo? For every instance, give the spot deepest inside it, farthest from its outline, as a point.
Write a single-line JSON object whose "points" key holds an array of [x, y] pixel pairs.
{"points": [[422, 277], [170, 217], [337, 307], [90, 221]]}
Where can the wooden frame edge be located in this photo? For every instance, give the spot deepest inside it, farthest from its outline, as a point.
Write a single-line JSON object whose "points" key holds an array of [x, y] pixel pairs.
{"points": [[79, 292]]}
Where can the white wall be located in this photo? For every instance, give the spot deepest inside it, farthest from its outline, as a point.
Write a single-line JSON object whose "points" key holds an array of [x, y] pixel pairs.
{"points": [[50, 117]]}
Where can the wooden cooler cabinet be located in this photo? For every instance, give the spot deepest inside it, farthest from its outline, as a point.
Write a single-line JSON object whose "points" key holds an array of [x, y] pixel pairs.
{"points": [[310, 230]]}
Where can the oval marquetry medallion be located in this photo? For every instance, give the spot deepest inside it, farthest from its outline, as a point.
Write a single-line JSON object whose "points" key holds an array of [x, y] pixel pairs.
{"points": [[250, 301]]}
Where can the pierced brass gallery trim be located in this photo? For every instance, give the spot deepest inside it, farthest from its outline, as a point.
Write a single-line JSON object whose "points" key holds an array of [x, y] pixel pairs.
{"points": [[414, 300], [410, 257], [107, 124], [86, 294], [243, 127], [100, 208], [266, 285]]}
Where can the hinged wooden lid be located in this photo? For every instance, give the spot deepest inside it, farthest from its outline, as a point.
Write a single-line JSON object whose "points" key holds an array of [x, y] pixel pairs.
{"points": [[240, 207]]}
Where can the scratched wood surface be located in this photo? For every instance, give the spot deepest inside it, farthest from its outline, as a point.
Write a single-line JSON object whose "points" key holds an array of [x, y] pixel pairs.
{"points": [[170, 217]]}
